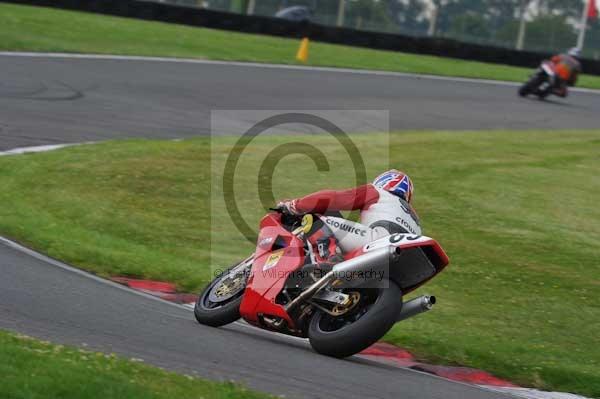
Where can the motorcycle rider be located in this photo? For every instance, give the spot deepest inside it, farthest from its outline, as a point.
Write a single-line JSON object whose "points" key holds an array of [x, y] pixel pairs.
{"points": [[568, 68], [384, 208]]}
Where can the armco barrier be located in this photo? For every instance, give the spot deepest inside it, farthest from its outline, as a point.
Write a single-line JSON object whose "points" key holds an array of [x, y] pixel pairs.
{"points": [[277, 27]]}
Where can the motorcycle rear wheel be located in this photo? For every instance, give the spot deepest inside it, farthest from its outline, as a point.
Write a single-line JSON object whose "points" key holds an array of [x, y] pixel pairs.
{"points": [[346, 335], [216, 305]]}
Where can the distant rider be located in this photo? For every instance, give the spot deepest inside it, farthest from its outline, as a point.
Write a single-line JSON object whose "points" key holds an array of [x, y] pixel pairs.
{"points": [[568, 68], [384, 207]]}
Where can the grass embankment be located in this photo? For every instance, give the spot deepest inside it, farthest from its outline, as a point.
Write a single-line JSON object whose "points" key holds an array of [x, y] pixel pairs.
{"points": [[24, 28], [35, 369], [519, 221]]}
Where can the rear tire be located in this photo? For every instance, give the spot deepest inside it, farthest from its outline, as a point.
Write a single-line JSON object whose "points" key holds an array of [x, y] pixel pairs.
{"points": [[220, 313], [354, 336], [542, 94]]}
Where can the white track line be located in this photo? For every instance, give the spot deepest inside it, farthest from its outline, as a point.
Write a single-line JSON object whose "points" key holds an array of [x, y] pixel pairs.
{"points": [[54, 262], [38, 148], [270, 66], [529, 393]]}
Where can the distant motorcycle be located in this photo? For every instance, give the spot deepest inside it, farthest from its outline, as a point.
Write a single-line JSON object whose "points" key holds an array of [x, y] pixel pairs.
{"points": [[541, 83], [342, 309]]}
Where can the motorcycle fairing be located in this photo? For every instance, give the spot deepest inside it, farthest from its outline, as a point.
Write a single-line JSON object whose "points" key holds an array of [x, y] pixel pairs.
{"points": [[421, 259], [278, 254], [549, 69]]}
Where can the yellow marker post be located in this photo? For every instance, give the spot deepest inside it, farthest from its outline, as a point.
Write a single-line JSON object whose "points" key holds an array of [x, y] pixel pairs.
{"points": [[302, 54]]}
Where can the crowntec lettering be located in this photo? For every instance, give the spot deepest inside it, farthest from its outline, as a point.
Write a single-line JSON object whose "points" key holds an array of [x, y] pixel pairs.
{"points": [[347, 227]]}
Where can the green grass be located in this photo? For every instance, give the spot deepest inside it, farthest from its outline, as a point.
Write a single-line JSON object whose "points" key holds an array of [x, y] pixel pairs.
{"points": [[35, 369], [24, 28], [518, 219]]}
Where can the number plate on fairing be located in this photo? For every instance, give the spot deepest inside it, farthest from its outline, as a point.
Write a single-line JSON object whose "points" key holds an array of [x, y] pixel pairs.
{"points": [[397, 240], [413, 266]]}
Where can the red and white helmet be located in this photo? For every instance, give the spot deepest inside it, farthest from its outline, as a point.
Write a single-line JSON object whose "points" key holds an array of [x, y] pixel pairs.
{"points": [[395, 182]]}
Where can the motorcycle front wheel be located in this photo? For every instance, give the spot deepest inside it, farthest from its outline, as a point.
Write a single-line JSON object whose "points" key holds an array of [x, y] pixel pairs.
{"points": [[531, 85], [367, 321], [219, 303]]}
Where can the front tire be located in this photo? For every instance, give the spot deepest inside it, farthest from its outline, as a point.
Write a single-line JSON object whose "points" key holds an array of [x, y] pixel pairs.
{"points": [[530, 86], [353, 332], [219, 303]]}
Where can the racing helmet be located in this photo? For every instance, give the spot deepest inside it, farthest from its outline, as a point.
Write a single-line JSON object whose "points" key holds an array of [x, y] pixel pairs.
{"points": [[574, 52], [395, 182]]}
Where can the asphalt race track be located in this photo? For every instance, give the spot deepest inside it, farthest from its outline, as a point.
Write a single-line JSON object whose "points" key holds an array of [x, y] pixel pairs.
{"points": [[49, 302], [55, 100], [59, 100]]}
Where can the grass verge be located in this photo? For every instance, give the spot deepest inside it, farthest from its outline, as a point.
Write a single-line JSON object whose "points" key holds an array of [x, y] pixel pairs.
{"points": [[519, 220], [37, 369], [25, 28]]}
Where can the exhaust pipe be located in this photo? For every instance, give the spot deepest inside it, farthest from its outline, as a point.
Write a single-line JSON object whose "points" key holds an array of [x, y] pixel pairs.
{"points": [[375, 259], [416, 306]]}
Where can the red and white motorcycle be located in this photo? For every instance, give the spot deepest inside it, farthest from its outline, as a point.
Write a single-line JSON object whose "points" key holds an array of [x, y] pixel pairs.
{"points": [[341, 309]]}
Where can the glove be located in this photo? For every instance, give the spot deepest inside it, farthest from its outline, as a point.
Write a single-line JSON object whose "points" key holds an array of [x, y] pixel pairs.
{"points": [[288, 207]]}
